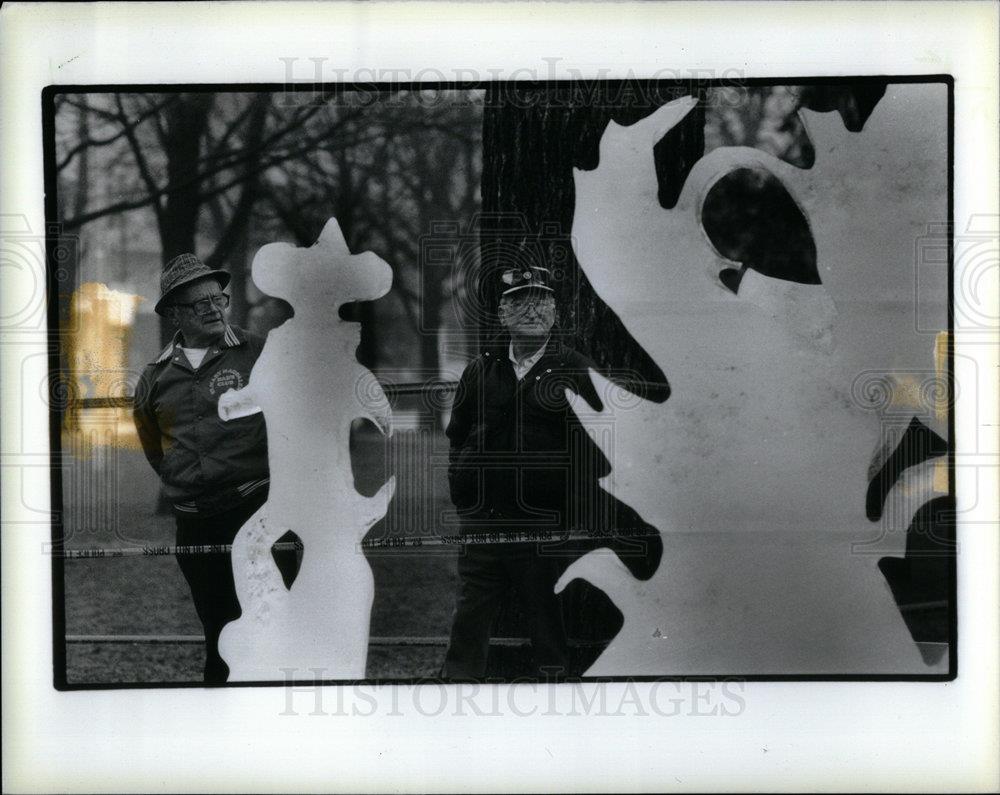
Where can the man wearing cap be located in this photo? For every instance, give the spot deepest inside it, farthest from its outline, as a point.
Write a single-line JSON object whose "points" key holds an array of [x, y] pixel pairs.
{"points": [[214, 472], [515, 464]]}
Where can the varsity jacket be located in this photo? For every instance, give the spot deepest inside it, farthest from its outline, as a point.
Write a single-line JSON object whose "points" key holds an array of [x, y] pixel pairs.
{"points": [[206, 464]]}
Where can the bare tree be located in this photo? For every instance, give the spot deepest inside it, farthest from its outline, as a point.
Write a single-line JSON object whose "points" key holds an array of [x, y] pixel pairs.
{"points": [[387, 175], [190, 158], [225, 166]]}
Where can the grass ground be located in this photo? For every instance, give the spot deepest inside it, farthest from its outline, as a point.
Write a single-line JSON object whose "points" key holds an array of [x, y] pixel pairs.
{"points": [[110, 500]]}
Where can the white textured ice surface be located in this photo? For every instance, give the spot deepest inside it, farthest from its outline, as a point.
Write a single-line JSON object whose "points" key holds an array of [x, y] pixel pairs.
{"points": [[755, 470], [310, 387]]}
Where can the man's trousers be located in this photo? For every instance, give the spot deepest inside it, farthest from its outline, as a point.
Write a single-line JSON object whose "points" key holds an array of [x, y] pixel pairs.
{"points": [[485, 573], [210, 575]]}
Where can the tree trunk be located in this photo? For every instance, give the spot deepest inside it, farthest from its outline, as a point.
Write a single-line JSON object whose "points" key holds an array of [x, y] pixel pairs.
{"points": [[185, 127], [533, 137], [82, 164], [345, 204], [436, 182], [237, 266], [532, 140], [430, 319], [232, 247]]}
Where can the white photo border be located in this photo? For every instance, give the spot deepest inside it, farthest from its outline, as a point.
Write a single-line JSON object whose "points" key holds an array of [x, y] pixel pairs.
{"points": [[866, 736]]}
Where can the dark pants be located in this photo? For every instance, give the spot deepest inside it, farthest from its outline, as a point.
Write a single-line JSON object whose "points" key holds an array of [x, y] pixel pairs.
{"points": [[210, 575], [485, 573]]}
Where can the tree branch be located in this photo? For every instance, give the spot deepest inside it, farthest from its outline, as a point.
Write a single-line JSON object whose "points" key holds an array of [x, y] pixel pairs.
{"points": [[140, 159], [88, 142]]}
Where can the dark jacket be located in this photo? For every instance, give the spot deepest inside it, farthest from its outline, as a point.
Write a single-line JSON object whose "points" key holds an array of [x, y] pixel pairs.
{"points": [[517, 450], [204, 462]]}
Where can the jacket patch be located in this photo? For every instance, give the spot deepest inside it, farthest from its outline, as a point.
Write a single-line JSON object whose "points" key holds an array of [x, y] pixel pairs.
{"points": [[225, 380]]}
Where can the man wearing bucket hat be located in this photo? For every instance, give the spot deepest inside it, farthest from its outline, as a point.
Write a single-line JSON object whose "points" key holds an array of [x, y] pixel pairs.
{"points": [[214, 472], [517, 462]]}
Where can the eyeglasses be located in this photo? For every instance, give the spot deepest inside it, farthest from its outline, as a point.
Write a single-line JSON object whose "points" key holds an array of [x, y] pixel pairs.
{"points": [[522, 303], [205, 305]]}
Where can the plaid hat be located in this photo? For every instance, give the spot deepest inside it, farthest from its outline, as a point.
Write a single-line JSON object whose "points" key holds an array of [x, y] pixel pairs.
{"points": [[184, 269], [514, 279]]}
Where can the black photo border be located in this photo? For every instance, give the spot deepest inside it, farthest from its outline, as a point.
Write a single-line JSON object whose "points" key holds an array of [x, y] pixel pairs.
{"points": [[56, 410]]}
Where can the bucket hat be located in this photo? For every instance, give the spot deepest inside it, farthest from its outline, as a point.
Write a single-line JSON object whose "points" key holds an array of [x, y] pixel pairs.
{"points": [[184, 269]]}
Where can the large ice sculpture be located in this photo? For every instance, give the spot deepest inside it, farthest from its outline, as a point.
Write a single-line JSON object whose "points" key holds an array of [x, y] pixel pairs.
{"points": [[756, 469], [306, 381]]}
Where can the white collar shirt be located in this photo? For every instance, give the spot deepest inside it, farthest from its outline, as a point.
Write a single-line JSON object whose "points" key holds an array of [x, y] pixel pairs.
{"points": [[522, 367]]}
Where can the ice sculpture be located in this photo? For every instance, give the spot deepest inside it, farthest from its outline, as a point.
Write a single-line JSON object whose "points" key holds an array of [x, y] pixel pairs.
{"points": [[306, 382], [756, 469]]}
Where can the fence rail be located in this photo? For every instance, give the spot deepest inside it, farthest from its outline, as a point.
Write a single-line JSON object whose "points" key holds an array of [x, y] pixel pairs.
{"points": [[638, 385], [392, 542], [387, 640], [390, 390], [498, 537], [428, 641]]}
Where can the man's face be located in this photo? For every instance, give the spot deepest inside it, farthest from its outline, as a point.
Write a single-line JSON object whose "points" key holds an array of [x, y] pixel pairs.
{"points": [[202, 323], [528, 313]]}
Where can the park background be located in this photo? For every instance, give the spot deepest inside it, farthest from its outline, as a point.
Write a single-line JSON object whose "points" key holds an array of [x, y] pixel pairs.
{"points": [[443, 184]]}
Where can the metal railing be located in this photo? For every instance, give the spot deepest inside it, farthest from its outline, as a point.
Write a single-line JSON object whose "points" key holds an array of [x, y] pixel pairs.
{"points": [[391, 391], [498, 537]]}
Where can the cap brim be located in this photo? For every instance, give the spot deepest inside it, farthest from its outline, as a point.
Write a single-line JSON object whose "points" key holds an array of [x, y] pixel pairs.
{"points": [[527, 287], [222, 277]]}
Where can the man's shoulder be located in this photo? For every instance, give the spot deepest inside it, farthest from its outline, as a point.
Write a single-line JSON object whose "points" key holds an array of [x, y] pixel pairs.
{"points": [[562, 353], [150, 370], [473, 367], [569, 357], [234, 335], [491, 351], [149, 376], [237, 339], [251, 336], [163, 355]]}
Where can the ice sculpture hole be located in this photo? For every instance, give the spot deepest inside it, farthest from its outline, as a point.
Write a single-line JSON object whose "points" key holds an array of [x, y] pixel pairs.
{"points": [[368, 457], [750, 218], [288, 561], [269, 313], [854, 103], [348, 311], [675, 154]]}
